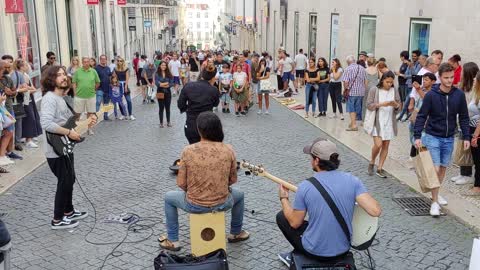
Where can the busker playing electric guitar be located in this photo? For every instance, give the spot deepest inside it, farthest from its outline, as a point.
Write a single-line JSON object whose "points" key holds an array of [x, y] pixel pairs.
{"points": [[321, 237], [54, 114]]}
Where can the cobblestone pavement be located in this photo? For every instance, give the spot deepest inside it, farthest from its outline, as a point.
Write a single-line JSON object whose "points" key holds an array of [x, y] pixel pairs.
{"points": [[124, 168]]}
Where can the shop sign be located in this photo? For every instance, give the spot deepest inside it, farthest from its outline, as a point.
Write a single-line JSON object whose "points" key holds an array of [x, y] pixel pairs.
{"points": [[121, 2], [92, 2], [13, 6]]}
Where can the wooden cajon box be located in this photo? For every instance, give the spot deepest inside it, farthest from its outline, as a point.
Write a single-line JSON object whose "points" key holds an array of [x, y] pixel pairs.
{"points": [[207, 232]]}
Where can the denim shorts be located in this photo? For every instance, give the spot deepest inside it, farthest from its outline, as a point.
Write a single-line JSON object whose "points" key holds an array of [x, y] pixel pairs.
{"points": [[440, 149], [176, 80], [354, 104], [288, 76]]}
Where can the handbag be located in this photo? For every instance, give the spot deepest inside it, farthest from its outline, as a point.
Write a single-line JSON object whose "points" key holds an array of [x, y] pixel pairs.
{"points": [[370, 116], [160, 95], [425, 170], [7, 118], [266, 84], [18, 108], [462, 157], [215, 260]]}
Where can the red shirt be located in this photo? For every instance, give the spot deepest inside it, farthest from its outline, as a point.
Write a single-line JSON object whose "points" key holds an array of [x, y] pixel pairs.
{"points": [[135, 63], [457, 75]]}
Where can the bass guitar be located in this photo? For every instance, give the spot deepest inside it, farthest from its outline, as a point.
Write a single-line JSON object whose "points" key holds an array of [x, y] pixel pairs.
{"points": [[364, 226]]}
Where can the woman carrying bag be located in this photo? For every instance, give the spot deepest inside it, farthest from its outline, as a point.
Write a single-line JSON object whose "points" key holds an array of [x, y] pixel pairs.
{"points": [[265, 86], [163, 81], [383, 103]]}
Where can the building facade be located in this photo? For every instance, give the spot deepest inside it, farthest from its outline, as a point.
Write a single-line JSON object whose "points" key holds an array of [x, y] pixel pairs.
{"points": [[343, 27]]}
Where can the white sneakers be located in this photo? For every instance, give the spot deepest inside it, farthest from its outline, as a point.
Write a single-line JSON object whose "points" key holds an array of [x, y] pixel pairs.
{"points": [[259, 112], [435, 210], [6, 161], [463, 180], [132, 117], [31, 144], [442, 201], [455, 178]]}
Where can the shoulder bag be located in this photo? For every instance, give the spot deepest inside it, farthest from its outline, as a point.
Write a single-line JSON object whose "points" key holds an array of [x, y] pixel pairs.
{"points": [[18, 108], [265, 84], [346, 92], [215, 260], [370, 116]]}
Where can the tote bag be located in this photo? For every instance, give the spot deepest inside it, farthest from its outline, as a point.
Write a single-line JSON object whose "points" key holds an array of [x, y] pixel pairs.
{"points": [[425, 170], [462, 157], [369, 121]]}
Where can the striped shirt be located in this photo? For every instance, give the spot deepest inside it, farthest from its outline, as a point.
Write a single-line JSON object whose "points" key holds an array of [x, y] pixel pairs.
{"points": [[355, 75]]}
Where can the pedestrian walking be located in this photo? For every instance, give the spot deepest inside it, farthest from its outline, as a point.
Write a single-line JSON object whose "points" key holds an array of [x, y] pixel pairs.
{"points": [[384, 100], [322, 93], [174, 67], [264, 87], [194, 67], [164, 81], [335, 87], [123, 75], [312, 77], [301, 62], [441, 126], [474, 112], [373, 76]]}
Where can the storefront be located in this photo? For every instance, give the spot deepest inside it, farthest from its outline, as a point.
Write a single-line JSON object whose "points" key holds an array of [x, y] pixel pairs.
{"points": [[52, 28], [27, 39]]}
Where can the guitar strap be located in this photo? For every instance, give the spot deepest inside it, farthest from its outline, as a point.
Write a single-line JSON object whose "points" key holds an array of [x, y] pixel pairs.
{"points": [[70, 107], [332, 206]]}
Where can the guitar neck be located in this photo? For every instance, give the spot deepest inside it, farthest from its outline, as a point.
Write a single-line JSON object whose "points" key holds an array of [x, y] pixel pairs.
{"points": [[282, 182]]}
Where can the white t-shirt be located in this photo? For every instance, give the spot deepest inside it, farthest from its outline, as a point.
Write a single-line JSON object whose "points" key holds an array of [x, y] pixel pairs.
{"points": [[112, 66], [422, 72], [300, 61], [287, 64], [174, 67], [240, 78], [141, 63], [201, 56], [340, 79]]}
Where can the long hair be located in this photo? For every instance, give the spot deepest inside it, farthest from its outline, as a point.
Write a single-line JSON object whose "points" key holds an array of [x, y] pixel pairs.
{"points": [[18, 64], [469, 72], [388, 74], [325, 64], [168, 74], [476, 89], [121, 65], [338, 64], [75, 58], [49, 81]]}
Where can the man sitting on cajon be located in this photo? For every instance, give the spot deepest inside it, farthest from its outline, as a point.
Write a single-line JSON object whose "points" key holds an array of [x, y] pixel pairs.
{"points": [[207, 170]]}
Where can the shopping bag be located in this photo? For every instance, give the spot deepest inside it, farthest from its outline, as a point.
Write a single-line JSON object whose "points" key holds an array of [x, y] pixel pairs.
{"points": [[462, 157], [475, 257], [369, 121], [425, 170]]}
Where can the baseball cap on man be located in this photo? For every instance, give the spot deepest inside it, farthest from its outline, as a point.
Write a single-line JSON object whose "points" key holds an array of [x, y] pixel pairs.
{"points": [[321, 148], [363, 53]]}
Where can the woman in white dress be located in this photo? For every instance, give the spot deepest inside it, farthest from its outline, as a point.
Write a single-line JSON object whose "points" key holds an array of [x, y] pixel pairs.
{"points": [[385, 101]]}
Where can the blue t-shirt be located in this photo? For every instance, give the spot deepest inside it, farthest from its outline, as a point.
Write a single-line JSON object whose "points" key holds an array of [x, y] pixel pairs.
{"points": [[104, 73], [225, 79], [324, 236]]}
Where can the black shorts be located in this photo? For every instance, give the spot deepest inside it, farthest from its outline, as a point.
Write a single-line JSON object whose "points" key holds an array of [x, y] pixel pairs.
{"points": [[300, 73]]}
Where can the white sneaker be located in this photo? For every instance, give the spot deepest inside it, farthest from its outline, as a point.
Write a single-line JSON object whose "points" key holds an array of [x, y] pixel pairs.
{"points": [[6, 161], [464, 180], [132, 117], [455, 178], [334, 115], [341, 117], [435, 210], [36, 139], [31, 144], [442, 200], [267, 112], [23, 140], [259, 112], [121, 117]]}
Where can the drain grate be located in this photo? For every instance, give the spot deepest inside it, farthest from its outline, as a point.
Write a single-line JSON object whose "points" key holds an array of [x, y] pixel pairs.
{"points": [[415, 206]]}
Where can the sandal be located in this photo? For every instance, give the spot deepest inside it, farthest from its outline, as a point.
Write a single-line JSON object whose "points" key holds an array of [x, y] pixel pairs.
{"points": [[242, 236], [168, 245], [162, 126], [3, 170]]}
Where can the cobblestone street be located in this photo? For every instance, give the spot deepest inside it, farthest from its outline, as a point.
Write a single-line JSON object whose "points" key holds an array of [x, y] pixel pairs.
{"points": [[124, 168]]}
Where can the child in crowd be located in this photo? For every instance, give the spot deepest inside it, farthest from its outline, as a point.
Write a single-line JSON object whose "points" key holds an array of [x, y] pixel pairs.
{"points": [[117, 96], [225, 80], [239, 95]]}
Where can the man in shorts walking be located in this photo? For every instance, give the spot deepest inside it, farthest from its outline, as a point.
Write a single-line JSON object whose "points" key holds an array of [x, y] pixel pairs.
{"points": [[85, 82], [174, 66], [300, 65]]}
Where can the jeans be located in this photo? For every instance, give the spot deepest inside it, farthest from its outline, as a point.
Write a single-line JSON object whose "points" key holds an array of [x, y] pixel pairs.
{"points": [[335, 89], [128, 98], [63, 168], [310, 97], [104, 98], [177, 199], [164, 104], [294, 237], [406, 103], [476, 161], [440, 149], [322, 95], [402, 90]]}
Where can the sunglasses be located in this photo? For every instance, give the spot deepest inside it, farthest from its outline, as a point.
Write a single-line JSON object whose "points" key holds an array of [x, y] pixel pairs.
{"points": [[52, 58]]}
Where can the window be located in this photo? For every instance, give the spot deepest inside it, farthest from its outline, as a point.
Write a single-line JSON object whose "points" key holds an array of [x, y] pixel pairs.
{"points": [[198, 15], [27, 39], [190, 15], [420, 35], [207, 36], [368, 27], [206, 25], [52, 29], [206, 15], [198, 25], [334, 25], [296, 31], [190, 25], [93, 28], [312, 35], [199, 35]]}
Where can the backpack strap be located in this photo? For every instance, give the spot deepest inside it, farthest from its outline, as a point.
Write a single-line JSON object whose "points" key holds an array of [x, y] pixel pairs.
{"points": [[332, 206]]}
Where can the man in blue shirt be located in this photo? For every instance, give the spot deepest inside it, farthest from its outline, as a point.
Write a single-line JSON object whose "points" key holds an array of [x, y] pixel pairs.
{"points": [[103, 91], [321, 237]]}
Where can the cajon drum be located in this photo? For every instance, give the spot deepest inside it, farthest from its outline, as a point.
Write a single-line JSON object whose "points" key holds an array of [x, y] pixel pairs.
{"points": [[207, 232]]}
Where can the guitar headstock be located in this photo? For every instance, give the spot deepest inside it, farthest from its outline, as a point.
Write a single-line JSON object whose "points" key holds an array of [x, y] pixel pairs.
{"points": [[257, 170]]}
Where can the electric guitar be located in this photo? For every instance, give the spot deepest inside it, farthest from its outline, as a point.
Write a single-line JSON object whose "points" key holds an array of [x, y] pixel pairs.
{"points": [[62, 145], [364, 226]]}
